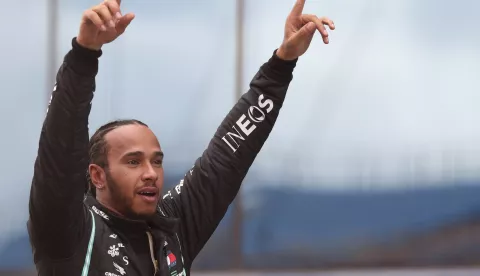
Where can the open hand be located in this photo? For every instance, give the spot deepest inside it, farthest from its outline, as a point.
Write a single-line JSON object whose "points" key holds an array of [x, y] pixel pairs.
{"points": [[102, 24], [299, 31]]}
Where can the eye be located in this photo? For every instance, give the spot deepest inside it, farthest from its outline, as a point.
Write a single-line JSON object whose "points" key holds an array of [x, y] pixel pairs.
{"points": [[158, 162], [133, 162]]}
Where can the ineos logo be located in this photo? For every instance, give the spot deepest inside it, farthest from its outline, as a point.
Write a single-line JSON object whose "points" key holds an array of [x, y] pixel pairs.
{"points": [[256, 115]]}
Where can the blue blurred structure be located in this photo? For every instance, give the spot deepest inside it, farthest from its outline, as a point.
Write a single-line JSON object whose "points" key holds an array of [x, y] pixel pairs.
{"points": [[375, 159], [429, 227]]}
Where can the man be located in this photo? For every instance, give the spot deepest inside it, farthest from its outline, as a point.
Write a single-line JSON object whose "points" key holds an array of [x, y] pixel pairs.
{"points": [[124, 227]]}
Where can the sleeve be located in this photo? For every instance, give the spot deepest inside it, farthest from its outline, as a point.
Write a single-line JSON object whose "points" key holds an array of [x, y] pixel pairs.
{"points": [[57, 214], [202, 198]]}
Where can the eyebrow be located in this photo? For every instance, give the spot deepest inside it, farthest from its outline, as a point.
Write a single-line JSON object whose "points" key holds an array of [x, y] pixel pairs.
{"points": [[141, 153]]}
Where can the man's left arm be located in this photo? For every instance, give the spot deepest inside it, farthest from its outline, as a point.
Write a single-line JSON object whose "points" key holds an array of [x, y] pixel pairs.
{"points": [[202, 198]]}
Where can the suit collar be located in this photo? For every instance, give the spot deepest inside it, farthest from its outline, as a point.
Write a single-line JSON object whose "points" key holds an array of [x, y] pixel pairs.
{"points": [[158, 221]]}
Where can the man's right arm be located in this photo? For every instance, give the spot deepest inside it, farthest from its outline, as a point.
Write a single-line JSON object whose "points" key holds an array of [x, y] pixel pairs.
{"points": [[57, 216]]}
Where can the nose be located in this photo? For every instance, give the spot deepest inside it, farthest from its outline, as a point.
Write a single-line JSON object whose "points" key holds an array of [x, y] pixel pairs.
{"points": [[150, 174]]}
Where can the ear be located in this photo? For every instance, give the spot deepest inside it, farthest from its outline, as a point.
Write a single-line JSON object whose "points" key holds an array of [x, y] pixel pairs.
{"points": [[97, 176]]}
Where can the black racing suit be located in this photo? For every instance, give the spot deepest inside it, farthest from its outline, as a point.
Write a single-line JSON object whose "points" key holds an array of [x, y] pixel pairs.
{"points": [[72, 234]]}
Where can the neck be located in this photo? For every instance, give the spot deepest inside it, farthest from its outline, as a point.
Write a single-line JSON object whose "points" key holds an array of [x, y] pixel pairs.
{"points": [[109, 206]]}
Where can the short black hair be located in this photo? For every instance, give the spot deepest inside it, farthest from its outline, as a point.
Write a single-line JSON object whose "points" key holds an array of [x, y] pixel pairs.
{"points": [[98, 148]]}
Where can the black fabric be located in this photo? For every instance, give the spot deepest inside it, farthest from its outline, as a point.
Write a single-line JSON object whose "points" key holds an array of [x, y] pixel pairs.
{"points": [[62, 216]]}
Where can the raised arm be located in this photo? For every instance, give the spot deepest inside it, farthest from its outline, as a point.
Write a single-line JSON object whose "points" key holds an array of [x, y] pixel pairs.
{"points": [[59, 179], [57, 215], [202, 198]]}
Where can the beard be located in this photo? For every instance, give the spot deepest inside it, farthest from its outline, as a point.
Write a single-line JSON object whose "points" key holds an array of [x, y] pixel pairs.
{"points": [[121, 201]]}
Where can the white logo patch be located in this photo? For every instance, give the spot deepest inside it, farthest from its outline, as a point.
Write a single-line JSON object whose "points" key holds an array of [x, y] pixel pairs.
{"points": [[100, 213], [113, 251], [119, 269]]}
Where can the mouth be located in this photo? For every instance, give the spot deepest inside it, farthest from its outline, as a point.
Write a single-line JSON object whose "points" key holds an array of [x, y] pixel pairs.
{"points": [[149, 194]]}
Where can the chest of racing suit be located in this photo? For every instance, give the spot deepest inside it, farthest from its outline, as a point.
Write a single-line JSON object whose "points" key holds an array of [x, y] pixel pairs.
{"points": [[120, 247], [114, 246]]}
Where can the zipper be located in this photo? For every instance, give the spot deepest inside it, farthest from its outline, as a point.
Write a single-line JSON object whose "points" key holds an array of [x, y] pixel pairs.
{"points": [[152, 254]]}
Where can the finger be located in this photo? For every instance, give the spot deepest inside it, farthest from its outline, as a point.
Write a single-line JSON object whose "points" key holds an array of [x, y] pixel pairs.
{"points": [[298, 8], [104, 13], [329, 22], [123, 22], [114, 8], [319, 23], [93, 17], [305, 34], [308, 30], [323, 31]]}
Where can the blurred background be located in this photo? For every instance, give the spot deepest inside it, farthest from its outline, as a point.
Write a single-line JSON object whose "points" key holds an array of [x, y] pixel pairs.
{"points": [[373, 165]]}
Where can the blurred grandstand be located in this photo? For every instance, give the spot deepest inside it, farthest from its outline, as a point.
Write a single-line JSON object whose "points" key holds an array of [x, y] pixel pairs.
{"points": [[297, 230]]}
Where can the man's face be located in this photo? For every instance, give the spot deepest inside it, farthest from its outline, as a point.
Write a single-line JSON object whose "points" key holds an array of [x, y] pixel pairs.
{"points": [[135, 172]]}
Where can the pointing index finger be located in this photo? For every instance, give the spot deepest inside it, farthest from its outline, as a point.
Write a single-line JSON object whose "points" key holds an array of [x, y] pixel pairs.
{"points": [[298, 8]]}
